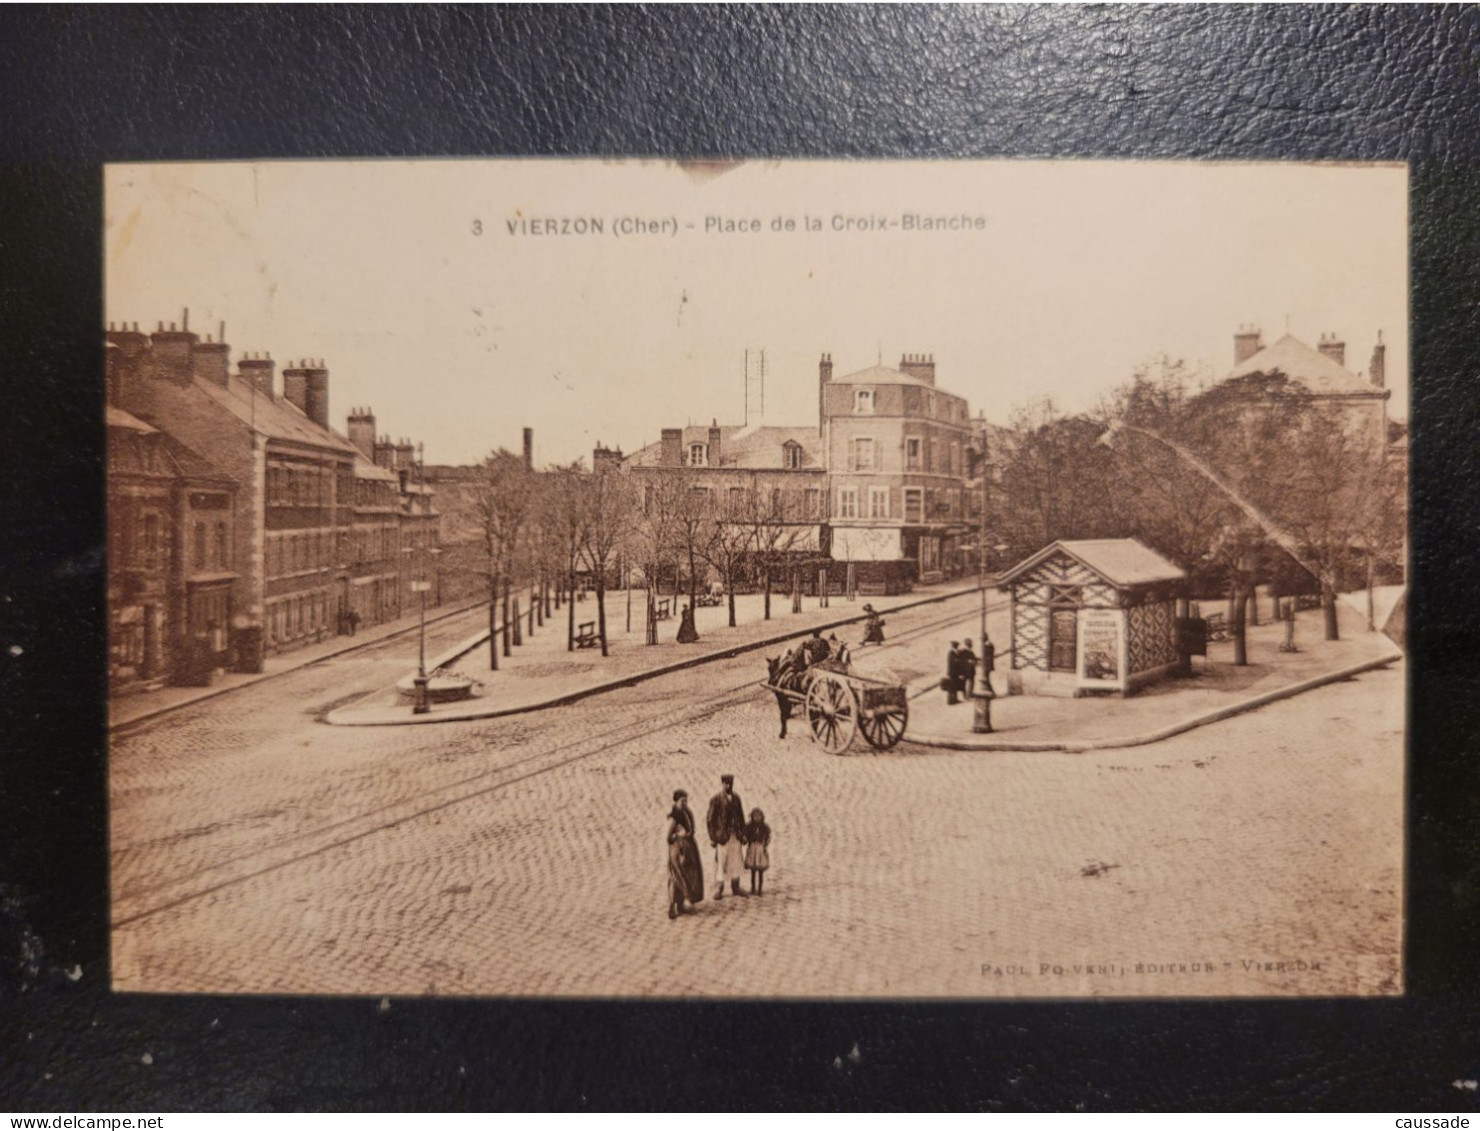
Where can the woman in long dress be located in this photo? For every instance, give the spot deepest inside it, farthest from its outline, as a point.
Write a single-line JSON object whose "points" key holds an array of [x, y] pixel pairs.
{"points": [[687, 633], [685, 868]]}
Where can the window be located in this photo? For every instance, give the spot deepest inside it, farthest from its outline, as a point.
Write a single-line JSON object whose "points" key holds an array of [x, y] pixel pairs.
{"points": [[929, 455], [914, 504], [647, 500], [878, 502], [848, 502], [198, 556], [814, 502], [949, 462], [223, 556], [698, 454], [863, 454], [776, 508], [151, 539], [863, 401], [912, 454], [737, 499], [791, 455], [929, 404]]}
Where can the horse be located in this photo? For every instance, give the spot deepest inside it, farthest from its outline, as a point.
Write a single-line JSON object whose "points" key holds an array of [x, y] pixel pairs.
{"points": [[782, 674]]}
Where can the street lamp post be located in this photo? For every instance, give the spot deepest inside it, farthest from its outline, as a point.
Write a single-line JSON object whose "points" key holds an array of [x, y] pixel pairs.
{"points": [[419, 587], [981, 722]]}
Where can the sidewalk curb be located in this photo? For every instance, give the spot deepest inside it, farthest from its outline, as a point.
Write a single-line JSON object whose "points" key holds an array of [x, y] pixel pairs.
{"points": [[625, 681], [263, 677], [1080, 746]]}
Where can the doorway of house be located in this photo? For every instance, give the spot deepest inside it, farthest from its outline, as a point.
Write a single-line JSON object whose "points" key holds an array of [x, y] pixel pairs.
{"points": [[1063, 639]]}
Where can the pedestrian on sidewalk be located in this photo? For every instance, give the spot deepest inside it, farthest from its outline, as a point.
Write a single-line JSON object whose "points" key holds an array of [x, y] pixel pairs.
{"points": [[687, 633], [951, 685], [873, 631], [685, 868], [757, 851], [988, 665], [967, 659], [726, 823]]}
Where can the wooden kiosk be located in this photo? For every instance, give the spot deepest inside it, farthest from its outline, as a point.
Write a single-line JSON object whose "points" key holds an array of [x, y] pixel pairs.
{"points": [[1091, 616]]}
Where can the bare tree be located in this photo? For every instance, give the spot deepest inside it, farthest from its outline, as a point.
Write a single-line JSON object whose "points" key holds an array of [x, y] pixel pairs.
{"points": [[604, 528], [1057, 481], [777, 528], [730, 541], [566, 506], [654, 540], [501, 501]]}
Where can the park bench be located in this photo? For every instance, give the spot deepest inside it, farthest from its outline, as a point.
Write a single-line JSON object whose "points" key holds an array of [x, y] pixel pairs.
{"points": [[663, 608], [1217, 626], [586, 637]]}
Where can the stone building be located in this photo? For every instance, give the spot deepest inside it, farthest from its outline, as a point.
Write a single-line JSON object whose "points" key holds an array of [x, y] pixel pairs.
{"points": [[767, 479], [1322, 373], [171, 557], [297, 516], [895, 449]]}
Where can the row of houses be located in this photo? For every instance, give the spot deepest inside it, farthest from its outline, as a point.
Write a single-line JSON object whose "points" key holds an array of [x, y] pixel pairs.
{"points": [[888, 476], [878, 482], [240, 523]]}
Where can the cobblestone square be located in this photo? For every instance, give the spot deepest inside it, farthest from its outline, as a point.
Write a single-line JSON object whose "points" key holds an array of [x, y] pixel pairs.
{"points": [[257, 850]]}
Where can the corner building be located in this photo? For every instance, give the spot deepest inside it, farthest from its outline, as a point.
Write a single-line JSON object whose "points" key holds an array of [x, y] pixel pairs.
{"points": [[895, 449]]}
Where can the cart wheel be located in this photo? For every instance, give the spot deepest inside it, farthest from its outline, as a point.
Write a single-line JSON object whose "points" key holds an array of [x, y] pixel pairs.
{"points": [[883, 729], [832, 713]]}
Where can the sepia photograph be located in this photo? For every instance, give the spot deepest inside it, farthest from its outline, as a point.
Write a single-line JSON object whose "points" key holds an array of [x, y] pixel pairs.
{"points": [[536, 578]]}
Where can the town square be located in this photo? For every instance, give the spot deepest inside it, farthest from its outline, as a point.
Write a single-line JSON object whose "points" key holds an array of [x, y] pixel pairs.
{"points": [[718, 614]]}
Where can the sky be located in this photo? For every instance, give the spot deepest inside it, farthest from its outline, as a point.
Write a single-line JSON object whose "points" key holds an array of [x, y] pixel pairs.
{"points": [[462, 301]]}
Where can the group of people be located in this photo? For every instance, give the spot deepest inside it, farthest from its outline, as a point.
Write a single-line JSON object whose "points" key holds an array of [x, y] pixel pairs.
{"points": [[961, 668], [739, 845]]}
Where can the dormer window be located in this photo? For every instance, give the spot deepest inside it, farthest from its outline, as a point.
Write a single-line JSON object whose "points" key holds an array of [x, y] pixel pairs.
{"points": [[698, 455], [863, 401], [791, 455]]}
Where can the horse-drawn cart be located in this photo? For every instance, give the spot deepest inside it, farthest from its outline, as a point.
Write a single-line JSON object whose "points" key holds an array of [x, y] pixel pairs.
{"points": [[838, 703]]}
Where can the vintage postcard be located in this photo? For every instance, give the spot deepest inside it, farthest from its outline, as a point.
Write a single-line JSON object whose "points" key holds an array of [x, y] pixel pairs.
{"points": [[757, 579]]}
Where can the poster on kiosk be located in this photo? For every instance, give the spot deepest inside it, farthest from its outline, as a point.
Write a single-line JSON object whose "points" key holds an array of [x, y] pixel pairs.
{"points": [[1102, 659]]}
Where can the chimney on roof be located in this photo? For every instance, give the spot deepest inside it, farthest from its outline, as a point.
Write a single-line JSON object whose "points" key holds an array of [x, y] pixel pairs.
{"points": [[258, 371], [1246, 343], [605, 459], [824, 375], [1333, 347], [361, 428], [529, 449], [919, 365], [209, 361], [295, 387], [716, 439], [317, 393], [671, 452], [171, 352], [1378, 369]]}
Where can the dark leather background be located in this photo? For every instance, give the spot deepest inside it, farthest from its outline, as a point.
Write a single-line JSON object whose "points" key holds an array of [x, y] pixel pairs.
{"points": [[79, 87]]}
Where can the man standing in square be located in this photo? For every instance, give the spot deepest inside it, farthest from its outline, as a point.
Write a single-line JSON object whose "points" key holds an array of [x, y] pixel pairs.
{"points": [[726, 821]]}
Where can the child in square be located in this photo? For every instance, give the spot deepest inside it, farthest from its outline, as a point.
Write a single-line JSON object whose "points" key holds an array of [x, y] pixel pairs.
{"points": [[757, 850]]}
